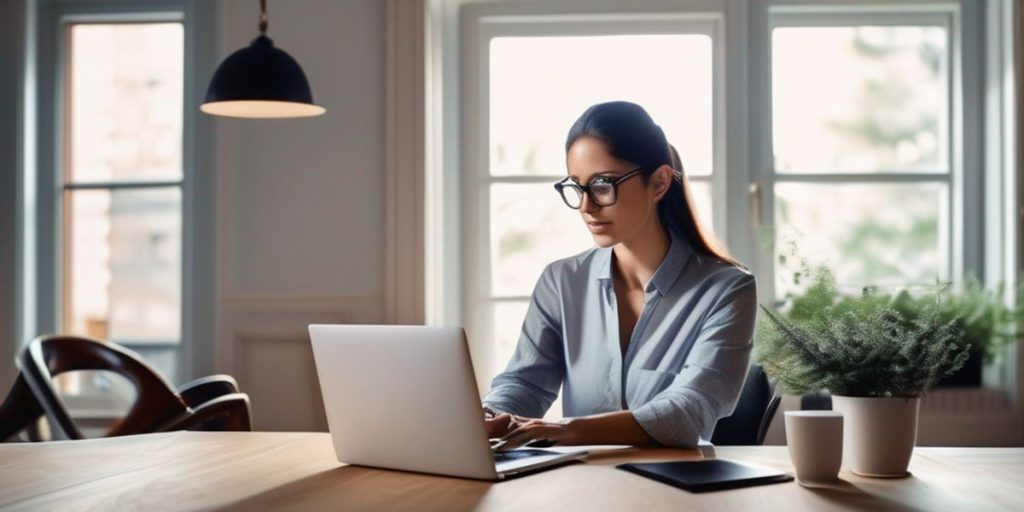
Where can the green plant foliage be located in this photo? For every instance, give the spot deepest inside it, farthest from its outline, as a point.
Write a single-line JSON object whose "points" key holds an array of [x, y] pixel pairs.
{"points": [[988, 323], [860, 345]]}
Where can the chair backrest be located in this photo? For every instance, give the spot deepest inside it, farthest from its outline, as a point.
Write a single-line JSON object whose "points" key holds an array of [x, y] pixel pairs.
{"points": [[156, 403], [754, 411]]}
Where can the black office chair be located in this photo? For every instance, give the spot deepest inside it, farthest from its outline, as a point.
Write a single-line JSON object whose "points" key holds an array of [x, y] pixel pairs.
{"points": [[816, 402], [754, 412]]}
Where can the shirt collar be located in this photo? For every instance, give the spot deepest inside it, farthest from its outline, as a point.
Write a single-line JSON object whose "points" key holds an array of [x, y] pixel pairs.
{"points": [[667, 274]]}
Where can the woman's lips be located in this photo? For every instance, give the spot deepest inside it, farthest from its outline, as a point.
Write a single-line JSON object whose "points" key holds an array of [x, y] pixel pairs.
{"points": [[598, 226]]}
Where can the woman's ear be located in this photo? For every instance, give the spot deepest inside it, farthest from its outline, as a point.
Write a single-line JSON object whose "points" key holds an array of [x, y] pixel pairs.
{"points": [[661, 181]]}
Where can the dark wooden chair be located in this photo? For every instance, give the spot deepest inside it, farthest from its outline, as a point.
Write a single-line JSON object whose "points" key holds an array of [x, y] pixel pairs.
{"points": [[209, 403], [19, 411], [755, 409]]}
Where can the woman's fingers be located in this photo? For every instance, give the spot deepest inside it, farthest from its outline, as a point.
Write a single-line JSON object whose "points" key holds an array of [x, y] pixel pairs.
{"points": [[499, 425], [529, 432], [503, 424], [519, 421]]}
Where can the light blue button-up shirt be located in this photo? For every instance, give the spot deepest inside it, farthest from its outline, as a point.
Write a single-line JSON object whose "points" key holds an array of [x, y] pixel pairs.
{"points": [[685, 363]]}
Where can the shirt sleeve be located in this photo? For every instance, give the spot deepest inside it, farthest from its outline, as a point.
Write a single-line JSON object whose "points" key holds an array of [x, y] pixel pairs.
{"points": [[710, 382], [531, 381]]}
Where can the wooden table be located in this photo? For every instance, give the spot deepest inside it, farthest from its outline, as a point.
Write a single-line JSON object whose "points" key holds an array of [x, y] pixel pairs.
{"points": [[298, 471]]}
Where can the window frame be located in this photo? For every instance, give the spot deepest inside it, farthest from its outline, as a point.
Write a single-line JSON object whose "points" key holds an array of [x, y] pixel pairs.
{"points": [[481, 24], [68, 186], [749, 150], [44, 252], [956, 209]]}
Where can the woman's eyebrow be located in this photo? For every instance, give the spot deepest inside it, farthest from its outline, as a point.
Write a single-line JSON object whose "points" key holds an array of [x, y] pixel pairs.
{"points": [[602, 174]]}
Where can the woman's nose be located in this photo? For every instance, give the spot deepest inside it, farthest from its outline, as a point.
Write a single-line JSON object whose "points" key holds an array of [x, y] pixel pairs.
{"points": [[588, 204]]}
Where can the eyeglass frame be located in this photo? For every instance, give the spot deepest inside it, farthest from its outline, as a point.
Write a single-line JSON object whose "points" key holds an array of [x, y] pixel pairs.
{"points": [[614, 182]]}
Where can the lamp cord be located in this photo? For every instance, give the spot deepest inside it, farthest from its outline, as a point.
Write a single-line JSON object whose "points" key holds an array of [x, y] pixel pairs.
{"points": [[263, 17]]}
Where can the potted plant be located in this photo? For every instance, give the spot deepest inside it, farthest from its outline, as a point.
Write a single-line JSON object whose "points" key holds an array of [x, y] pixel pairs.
{"points": [[875, 362], [987, 322]]}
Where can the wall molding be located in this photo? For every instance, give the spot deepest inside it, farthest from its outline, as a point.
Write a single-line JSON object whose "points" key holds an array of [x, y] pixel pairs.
{"points": [[265, 345], [259, 301], [284, 317], [404, 161]]}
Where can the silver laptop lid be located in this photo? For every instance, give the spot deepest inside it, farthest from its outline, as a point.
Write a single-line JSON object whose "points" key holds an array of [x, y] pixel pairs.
{"points": [[402, 397]]}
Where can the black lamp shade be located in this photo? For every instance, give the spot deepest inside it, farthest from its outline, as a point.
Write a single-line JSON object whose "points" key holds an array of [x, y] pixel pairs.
{"points": [[260, 81]]}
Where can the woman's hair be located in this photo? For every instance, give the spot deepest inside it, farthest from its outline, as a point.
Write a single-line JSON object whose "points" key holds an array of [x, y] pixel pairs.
{"points": [[630, 134]]}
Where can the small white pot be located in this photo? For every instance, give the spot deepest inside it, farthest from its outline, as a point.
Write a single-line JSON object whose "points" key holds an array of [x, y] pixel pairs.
{"points": [[879, 434]]}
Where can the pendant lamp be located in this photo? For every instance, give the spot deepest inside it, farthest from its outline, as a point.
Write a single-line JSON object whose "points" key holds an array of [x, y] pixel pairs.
{"points": [[260, 81]]}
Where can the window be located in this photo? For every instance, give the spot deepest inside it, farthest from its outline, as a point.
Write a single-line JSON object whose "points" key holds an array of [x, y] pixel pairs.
{"points": [[862, 166], [122, 182], [540, 79], [846, 131]]}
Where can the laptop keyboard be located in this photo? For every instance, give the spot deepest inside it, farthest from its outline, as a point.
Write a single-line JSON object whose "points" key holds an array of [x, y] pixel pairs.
{"points": [[519, 454]]}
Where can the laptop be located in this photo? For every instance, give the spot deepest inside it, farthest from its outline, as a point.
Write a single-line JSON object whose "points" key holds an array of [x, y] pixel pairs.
{"points": [[405, 398]]}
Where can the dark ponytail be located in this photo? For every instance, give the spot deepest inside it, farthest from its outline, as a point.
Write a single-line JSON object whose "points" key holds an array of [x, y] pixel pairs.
{"points": [[629, 134]]}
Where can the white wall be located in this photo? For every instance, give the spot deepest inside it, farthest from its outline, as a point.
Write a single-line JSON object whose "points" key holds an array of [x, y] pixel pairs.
{"points": [[299, 206]]}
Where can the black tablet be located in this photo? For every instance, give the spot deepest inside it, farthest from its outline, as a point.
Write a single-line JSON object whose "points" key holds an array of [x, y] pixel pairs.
{"points": [[707, 475]]}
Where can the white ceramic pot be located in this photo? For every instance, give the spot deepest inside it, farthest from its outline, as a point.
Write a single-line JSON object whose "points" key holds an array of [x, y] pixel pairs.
{"points": [[879, 434]]}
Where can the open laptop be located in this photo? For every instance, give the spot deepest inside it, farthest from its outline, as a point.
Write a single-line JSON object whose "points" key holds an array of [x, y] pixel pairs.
{"points": [[404, 397]]}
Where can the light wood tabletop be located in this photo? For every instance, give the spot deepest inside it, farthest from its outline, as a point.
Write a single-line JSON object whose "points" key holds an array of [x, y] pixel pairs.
{"points": [[298, 471]]}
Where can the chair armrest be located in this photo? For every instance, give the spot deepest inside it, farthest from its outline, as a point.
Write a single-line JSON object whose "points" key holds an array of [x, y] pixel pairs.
{"points": [[766, 421], [229, 412], [204, 389]]}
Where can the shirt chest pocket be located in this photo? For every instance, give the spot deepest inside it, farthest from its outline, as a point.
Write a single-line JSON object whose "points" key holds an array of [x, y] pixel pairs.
{"points": [[643, 385]]}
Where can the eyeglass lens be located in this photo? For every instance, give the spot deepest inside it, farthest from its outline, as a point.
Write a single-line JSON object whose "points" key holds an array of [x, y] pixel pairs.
{"points": [[601, 192]]}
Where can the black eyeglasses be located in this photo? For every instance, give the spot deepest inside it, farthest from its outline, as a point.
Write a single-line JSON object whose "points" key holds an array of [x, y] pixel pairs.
{"points": [[603, 191]]}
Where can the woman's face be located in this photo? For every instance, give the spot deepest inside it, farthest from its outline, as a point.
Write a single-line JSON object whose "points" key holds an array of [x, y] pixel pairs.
{"points": [[635, 208]]}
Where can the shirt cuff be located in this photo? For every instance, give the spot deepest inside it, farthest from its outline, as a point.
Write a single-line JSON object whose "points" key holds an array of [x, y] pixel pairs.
{"points": [[666, 424]]}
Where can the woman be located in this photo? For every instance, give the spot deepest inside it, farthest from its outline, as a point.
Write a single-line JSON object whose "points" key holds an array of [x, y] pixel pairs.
{"points": [[649, 332]]}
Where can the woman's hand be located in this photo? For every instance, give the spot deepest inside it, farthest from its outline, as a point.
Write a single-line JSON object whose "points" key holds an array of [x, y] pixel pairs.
{"points": [[498, 424], [527, 430], [618, 427]]}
